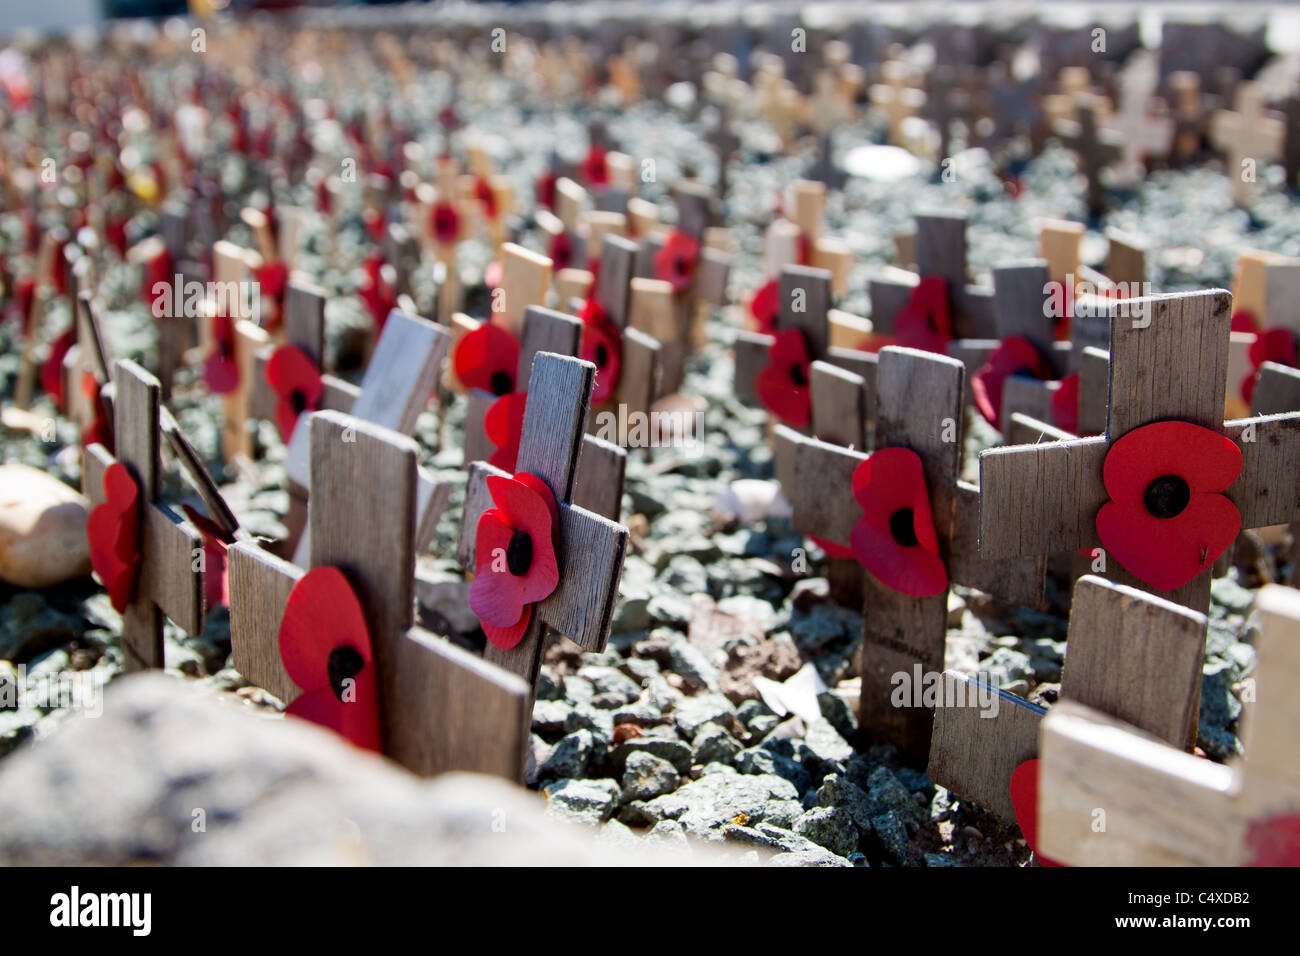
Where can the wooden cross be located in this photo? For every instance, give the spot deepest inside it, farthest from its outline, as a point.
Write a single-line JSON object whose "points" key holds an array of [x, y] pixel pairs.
{"points": [[897, 97], [1133, 656], [918, 406], [1141, 133], [1168, 361], [441, 707], [1248, 138], [641, 375], [1189, 117], [590, 548], [89, 355], [805, 300], [231, 275], [1096, 148], [1277, 391], [170, 577], [1165, 808]]}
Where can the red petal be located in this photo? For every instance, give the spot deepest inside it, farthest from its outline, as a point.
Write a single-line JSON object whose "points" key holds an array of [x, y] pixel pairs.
{"points": [[546, 494], [765, 305], [1015, 355], [356, 720], [1275, 345], [1166, 553], [1065, 404], [1206, 460], [1244, 321], [890, 480], [778, 389], [507, 637], [52, 368], [504, 425], [1024, 798], [496, 597], [598, 336], [1274, 842], [832, 549], [112, 534], [483, 356], [321, 614], [926, 321], [915, 571]]}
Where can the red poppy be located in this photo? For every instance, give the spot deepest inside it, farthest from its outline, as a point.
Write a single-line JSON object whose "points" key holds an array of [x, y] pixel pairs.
{"points": [[272, 282], [24, 301], [1024, 799], [1274, 345], [52, 367], [296, 381], [487, 359], [100, 429], [895, 538], [561, 251], [486, 197], [675, 262], [1243, 320], [765, 306], [926, 321], [545, 189], [378, 292], [216, 541], [446, 222], [1065, 404], [784, 383], [832, 549], [602, 345], [595, 167], [514, 556], [1274, 842], [113, 535], [58, 268], [503, 423], [804, 249], [1167, 519], [492, 274], [1015, 355], [375, 224], [220, 370], [325, 648], [115, 234]]}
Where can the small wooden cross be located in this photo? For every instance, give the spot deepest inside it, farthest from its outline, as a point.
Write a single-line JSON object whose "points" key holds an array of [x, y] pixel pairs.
{"points": [[897, 97], [170, 579], [1277, 391], [1166, 808], [805, 304], [441, 708], [918, 406], [1189, 117], [89, 355], [590, 548], [1096, 148], [1248, 137], [1133, 656], [641, 375], [231, 275], [1141, 132], [1168, 361]]}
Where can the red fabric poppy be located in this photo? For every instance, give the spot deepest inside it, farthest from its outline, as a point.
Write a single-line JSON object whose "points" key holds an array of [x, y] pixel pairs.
{"points": [[487, 359], [1243, 320], [58, 272], [595, 167], [24, 302], [765, 306], [296, 382], [832, 549], [377, 292], [375, 224], [503, 423], [115, 234], [561, 251], [804, 247], [1273, 345], [220, 370], [52, 367], [325, 648], [514, 556], [1274, 842], [545, 189], [783, 385], [895, 538], [675, 262], [602, 346], [926, 321], [100, 429], [272, 283], [113, 535], [486, 197], [1024, 799], [1014, 355], [1065, 404], [446, 222], [216, 542], [1167, 519]]}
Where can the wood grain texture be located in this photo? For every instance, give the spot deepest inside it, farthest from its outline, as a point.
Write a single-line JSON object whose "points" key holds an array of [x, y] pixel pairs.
{"points": [[250, 341], [865, 365], [546, 330], [890, 290], [402, 372], [259, 587], [750, 350], [824, 506], [559, 393], [1094, 390], [1020, 291], [641, 374], [197, 472], [1019, 581], [136, 406], [1136, 657], [170, 576], [598, 487], [805, 301], [1277, 390], [1266, 492], [525, 277], [1126, 263], [975, 749], [1021, 429], [614, 284], [1026, 396], [304, 319], [839, 411]]}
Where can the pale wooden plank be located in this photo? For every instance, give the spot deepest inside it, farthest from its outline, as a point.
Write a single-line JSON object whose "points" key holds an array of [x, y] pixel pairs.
{"points": [[1277, 390], [259, 588], [838, 406], [525, 278], [805, 301], [476, 444], [1021, 429], [136, 406], [1019, 580], [1020, 290], [169, 550], [546, 330], [1126, 263], [750, 350], [823, 473], [1266, 492], [402, 372], [554, 422], [1094, 390], [304, 318], [614, 284], [641, 372], [1027, 396], [598, 487]]}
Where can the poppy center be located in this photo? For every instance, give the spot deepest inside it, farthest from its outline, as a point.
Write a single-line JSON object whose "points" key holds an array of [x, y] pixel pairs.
{"points": [[345, 662], [502, 383], [1024, 372], [798, 376], [1167, 496], [602, 356], [519, 553], [297, 401], [902, 526]]}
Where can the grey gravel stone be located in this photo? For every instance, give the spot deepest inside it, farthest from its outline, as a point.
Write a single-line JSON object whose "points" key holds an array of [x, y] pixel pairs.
{"points": [[586, 801], [676, 752], [689, 661], [838, 791], [712, 744], [694, 712], [646, 776], [829, 827], [892, 833], [588, 717], [571, 756], [887, 794], [549, 716], [704, 806]]}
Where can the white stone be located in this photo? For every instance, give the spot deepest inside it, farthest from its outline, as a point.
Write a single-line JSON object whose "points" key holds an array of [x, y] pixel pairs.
{"points": [[42, 529]]}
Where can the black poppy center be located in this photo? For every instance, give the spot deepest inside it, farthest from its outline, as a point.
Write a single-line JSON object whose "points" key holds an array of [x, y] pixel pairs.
{"points": [[1024, 372], [797, 375], [298, 401], [602, 356], [345, 662], [502, 383], [1167, 496], [902, 526], [519, 553]]}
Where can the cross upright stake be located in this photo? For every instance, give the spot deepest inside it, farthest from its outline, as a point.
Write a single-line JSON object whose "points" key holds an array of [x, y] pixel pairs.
{"points": [[1168, 362], [590, 548], [441, 707], [1097, 148], [170, 580], [1133, 656], [1248, 138], [642, 361], [919, 407], [1166, 808]]}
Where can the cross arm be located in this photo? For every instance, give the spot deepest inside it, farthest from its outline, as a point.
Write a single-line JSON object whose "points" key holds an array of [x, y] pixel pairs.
{"points": [[1266, 492], [824, 506], [1019, 580], [259, 588]]}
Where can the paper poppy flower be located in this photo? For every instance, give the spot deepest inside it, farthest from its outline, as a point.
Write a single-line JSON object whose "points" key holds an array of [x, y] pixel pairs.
{"points": [[1065, 404], [1014, 355], [272, 280], [100, 429], [296, 382], [925, 322], [602, 346], [377, 292], [1167, 519], [220, 370], [486, 197], [487, 359], [765, 306], [561, 251], [895, 538], [503, 423], [1274, 842], [1243, 320], [514, 556], [216, 542], [595, 167], [1273, 345], [52, 367], [24, 301], [784, 384], [832, 549], [1024, 800], [544, 190], [675, 261], [113, 535], [325, 648]]}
